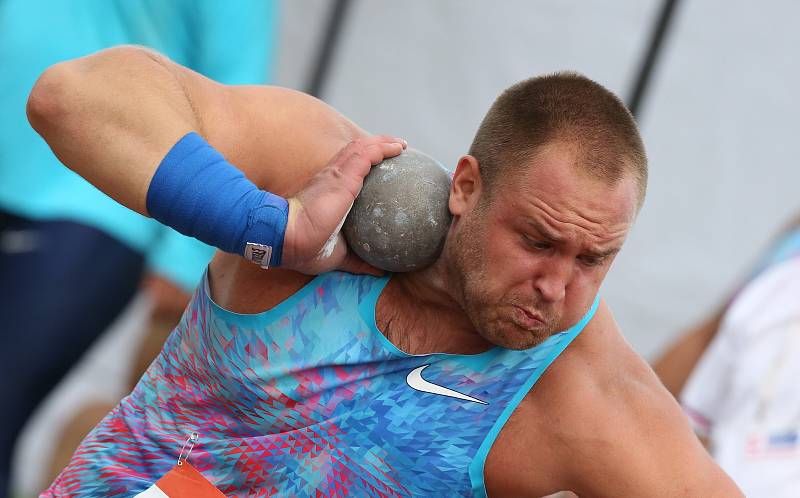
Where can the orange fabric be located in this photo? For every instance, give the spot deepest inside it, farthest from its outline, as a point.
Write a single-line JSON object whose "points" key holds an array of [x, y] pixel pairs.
{"points": [[184, 481]]}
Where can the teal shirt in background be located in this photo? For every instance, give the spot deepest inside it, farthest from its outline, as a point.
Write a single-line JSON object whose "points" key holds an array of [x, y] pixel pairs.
{"points": [[230, 41]]}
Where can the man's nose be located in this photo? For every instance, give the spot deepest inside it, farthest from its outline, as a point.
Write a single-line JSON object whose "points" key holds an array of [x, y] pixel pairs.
{"points": [[552, 278]]}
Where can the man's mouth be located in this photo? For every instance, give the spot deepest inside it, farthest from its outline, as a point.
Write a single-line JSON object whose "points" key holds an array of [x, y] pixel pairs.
{"points": [[527, 319]]}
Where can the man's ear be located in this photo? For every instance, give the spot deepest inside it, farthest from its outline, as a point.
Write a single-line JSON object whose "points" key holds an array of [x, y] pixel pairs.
{"points": [[465, 189]]}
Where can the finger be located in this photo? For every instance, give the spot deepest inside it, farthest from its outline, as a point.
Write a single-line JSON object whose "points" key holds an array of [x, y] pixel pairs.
{"points": [[380, 151], [354, 161], [357, 146], [374, 139], [367, 145], [359, 158]]}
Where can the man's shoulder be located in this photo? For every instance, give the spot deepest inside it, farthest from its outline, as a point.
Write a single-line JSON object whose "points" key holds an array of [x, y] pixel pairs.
{"points": [[595, 393], [599, 386], [598, 364], [242, 287], [599, 422]]}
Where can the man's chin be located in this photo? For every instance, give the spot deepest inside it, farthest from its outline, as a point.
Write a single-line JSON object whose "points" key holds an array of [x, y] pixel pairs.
{"points": [[512, 336]]}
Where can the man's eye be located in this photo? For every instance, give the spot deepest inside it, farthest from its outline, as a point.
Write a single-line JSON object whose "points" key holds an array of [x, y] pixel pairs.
{"points": [[536, 244], [592, 260]]}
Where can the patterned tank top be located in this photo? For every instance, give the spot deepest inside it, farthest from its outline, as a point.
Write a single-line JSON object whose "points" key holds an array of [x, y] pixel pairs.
{"points": [[309, 399]]}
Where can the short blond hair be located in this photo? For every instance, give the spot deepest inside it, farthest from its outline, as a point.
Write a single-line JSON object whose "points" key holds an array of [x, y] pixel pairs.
{"points": [[564, 106]]}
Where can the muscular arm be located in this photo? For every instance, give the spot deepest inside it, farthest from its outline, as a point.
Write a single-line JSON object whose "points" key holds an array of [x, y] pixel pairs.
{"points": [[632, 437], [112, 116], [600, 424]]}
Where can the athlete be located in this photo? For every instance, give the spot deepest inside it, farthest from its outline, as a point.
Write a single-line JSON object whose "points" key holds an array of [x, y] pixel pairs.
{"points": [[440, 382]]}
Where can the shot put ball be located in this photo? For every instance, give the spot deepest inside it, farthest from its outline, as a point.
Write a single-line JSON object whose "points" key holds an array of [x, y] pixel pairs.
{"points": [[400, 218]]}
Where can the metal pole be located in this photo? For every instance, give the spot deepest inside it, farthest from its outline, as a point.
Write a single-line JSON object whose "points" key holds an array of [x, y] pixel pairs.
{"points": [[326, 50], [651, 56]]}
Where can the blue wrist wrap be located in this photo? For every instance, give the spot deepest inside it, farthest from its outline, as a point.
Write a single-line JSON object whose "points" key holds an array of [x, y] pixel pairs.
{"points": [[200, 194]]}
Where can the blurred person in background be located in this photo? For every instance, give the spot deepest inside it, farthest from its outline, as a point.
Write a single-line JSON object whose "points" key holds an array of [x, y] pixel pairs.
{"points": [[736, 375], [70, 257]]}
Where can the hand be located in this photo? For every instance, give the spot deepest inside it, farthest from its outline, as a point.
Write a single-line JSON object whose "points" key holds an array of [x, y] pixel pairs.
{"points": [[313, 242]]}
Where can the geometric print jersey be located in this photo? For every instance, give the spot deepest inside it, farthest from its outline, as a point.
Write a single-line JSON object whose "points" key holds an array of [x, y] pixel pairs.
{"points": [[308, 399]]}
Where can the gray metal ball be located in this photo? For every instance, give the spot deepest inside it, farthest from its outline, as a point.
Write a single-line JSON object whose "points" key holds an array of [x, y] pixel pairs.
{"points": [[400, 219]]}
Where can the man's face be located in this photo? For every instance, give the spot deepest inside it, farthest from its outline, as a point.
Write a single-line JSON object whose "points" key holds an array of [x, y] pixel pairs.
{"points": [[529, 262]]}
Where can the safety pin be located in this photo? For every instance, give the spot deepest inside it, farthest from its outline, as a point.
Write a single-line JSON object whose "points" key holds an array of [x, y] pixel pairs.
{"points": [[189, 442]]}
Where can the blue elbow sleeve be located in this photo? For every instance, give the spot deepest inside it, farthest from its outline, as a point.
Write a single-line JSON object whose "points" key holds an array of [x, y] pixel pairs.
{"points": [[200, 194]]}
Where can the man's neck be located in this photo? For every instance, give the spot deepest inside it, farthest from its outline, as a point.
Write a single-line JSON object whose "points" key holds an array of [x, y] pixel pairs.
{"points": [[430, 286], [422, 314]]}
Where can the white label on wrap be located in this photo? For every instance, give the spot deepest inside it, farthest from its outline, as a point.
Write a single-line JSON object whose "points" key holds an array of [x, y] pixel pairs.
{"points": [[258, 254]]}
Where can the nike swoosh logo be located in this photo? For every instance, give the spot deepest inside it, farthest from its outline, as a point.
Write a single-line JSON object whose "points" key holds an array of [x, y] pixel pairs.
{"points": [[415, 381]]}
